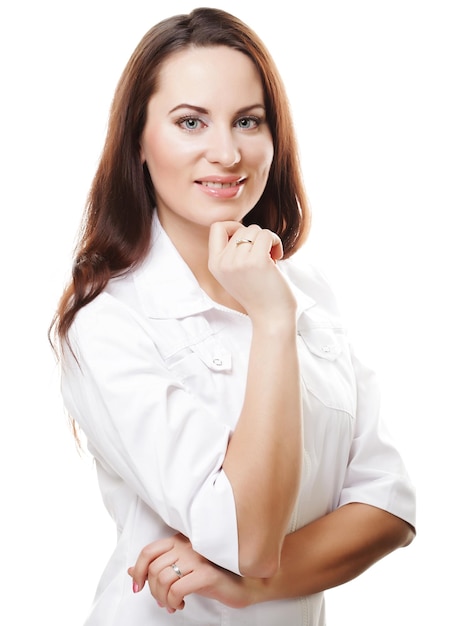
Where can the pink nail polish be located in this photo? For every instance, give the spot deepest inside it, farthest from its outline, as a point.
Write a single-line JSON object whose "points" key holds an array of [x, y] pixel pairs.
{"points": [[135, 587]]}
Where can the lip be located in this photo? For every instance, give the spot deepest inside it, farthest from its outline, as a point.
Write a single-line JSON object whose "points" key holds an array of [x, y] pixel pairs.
{"points": [[221, 186]]}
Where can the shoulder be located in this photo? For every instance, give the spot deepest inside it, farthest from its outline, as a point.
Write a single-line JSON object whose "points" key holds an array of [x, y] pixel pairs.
{"points": [[113, 315], [120, 298]]}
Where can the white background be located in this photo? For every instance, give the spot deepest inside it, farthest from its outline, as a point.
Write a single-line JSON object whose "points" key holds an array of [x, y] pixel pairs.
{"points": [[368, 86]]}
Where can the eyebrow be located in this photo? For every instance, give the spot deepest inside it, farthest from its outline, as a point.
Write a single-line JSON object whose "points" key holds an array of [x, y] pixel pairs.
{"points": [[204, 111]]}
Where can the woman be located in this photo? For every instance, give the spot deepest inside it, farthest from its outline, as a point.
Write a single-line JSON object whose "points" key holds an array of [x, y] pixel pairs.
{"points": [[235, 434]]}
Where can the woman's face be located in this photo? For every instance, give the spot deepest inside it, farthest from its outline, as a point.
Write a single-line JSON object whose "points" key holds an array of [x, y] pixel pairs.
{"points": [[206, 141]]}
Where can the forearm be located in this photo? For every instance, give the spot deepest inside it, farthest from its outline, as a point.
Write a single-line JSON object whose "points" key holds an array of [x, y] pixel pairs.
{"points": [[326, 553], [264, 456], [331, 551]]}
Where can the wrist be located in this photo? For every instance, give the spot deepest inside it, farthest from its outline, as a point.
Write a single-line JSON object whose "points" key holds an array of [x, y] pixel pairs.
{"points": [[282, 326]]}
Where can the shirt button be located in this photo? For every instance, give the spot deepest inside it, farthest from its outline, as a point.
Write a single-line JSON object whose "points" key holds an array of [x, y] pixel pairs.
{"points": [[325, 348], [217, 362]]}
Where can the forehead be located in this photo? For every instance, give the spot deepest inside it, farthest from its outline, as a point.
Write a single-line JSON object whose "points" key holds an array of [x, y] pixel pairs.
{"points": [[207, 72]]}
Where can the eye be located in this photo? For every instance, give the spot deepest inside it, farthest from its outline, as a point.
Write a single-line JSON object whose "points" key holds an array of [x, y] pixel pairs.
{"points": [[190, 123], [249, 122]]}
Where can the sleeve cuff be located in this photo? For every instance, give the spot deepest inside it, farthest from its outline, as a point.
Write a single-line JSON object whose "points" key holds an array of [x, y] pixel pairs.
{"points": [[214, 529]]}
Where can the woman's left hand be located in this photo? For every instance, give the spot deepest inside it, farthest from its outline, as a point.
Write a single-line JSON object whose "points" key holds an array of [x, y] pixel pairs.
{"points": [[192, 574]]}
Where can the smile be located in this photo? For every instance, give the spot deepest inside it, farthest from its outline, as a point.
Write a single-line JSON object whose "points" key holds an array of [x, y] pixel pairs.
{"points": [[222, 189]]}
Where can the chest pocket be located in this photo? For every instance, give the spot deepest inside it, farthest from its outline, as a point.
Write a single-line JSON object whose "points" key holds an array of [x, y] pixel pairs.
{"points": [[197, 358], [326, 367]]}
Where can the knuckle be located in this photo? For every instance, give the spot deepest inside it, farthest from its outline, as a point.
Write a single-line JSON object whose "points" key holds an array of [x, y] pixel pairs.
{"points": [[152, 588], [175, 597], [268, 234], [146, 551], [165, 576], [152, 569]]}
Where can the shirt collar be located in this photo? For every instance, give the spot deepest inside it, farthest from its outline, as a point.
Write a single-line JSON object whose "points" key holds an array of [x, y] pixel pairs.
{"points": [[167, 287]]}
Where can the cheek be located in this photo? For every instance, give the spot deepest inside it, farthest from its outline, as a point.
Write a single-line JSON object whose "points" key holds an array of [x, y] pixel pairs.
{"points": [[262, 154], [269, 159], [265, 165], [156, 153], [168, 155]]}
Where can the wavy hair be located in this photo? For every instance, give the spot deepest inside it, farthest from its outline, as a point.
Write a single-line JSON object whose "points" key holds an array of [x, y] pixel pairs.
{"points": [[115, 230]]}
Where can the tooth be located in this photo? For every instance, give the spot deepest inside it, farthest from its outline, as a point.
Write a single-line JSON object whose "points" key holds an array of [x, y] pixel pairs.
{"points": [[219, 185]]}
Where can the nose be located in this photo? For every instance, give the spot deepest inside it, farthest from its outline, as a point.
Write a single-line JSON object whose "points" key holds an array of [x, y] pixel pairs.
{"points": [[223, 147]]}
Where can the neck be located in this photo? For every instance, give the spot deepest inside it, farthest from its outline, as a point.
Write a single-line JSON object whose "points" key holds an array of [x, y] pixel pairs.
{"points": [[192, 243]]}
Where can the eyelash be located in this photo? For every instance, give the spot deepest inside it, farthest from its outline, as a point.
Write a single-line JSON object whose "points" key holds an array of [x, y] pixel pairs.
{"points": [[255, 122]]}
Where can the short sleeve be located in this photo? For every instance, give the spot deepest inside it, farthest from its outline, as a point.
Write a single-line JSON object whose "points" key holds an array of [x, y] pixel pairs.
{"points": [[376, 474]]}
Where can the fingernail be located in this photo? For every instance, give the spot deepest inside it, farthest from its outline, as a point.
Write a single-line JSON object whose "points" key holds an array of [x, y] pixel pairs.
{"points": [[135, 587]]}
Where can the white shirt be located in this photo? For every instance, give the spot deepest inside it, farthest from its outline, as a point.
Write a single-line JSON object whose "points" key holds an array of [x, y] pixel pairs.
{"points": [[158, 389]]}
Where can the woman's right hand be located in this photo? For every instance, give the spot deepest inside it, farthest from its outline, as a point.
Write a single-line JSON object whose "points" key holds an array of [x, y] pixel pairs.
{"points": [[243, 260]]}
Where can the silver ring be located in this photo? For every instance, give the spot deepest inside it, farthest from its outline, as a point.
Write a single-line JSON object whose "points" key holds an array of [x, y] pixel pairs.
{"points": [[176, 569], [240, 241]]}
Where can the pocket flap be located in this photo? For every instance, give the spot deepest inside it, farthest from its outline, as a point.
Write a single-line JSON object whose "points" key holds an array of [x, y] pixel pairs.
{"points": [[323, 342]]}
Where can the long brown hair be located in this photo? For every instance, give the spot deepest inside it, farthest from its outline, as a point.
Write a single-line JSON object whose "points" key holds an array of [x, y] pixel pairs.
{"points": [[116, 226]]}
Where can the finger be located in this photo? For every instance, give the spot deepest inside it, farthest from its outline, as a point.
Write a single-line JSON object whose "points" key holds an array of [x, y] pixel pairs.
{"points": [[161, 585], [245, 232], [147, 556], [163, 562], [262, 240], [175, 598], [277, 251], [193, 582], [273, 243], [219, 235]]}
